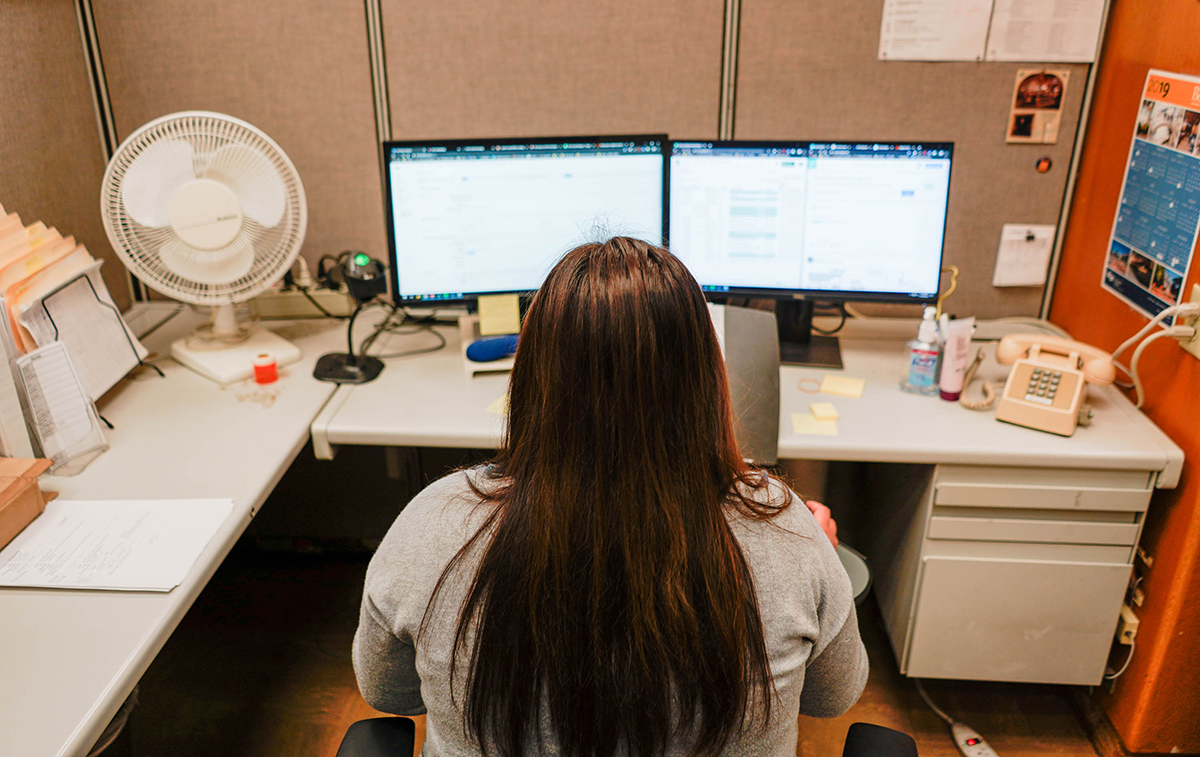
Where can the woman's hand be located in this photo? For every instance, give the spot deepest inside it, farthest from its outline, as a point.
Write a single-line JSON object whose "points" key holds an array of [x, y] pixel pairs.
{"points": [[824, 519]]}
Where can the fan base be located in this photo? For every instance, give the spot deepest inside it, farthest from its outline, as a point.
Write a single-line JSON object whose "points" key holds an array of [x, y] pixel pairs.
{"points": [[342, 368], [226, 364]]}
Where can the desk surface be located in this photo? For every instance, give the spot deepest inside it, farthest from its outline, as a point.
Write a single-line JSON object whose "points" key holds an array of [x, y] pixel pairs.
{"points": [[71, 657], [430, 400]]}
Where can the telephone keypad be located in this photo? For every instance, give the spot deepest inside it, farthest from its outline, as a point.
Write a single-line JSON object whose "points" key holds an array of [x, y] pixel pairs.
{"points": [[1043, 385]]}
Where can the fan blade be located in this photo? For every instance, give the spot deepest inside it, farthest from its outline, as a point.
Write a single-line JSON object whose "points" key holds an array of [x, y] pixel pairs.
{"points": [[254, 179], [152, 179], [220, 266]]}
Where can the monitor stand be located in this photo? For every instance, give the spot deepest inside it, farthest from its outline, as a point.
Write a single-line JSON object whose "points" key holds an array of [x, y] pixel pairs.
{"points": [[797, 344]]}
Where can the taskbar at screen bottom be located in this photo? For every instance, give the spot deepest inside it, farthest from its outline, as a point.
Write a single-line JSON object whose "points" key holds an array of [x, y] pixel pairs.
{"points": [[820, 295], [448, 298]]}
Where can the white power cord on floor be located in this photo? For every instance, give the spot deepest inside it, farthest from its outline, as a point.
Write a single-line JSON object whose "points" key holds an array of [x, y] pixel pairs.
{"points": [[968, 742]]}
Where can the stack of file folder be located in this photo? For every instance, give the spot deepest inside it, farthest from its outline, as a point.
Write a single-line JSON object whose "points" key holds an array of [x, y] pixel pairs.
{"points": [[64, 342]]}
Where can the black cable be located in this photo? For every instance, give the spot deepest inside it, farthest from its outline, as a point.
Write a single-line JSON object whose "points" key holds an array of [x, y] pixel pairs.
{"points": [[842, 309], [317, 305], [390, 325]]}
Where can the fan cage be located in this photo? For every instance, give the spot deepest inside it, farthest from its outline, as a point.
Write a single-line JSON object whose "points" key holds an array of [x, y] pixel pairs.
{"points": [[138, 246]]}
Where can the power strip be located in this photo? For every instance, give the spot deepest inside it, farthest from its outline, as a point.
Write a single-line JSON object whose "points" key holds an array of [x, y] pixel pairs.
{"points": [[292, 303]]}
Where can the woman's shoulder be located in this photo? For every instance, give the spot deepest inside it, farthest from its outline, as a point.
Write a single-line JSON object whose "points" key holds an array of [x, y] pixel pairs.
{"points": [[774, 513]]}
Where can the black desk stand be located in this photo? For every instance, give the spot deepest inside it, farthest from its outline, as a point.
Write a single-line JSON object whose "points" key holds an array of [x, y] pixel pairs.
{"points": [[797, 344]]}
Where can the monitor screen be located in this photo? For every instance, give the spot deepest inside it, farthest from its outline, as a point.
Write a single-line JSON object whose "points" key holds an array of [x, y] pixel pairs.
{"points": [[844, 221], [467, 218]]}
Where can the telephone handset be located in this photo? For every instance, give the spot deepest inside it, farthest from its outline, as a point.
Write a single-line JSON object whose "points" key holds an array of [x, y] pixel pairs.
{"points": [[1048, 382]]}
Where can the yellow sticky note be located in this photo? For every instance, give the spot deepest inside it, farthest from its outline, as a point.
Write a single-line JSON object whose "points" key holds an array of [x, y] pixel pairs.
{"points": [[499, 314], [843, 386], [805, 423], [824, 411], [499, 406]]}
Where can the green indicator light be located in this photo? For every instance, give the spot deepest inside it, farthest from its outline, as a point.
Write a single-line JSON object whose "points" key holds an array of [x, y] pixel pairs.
{"points": [[361, 259]]}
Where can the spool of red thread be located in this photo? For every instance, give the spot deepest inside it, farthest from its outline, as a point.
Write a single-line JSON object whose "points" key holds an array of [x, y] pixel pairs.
{"points": [[265, 370]]}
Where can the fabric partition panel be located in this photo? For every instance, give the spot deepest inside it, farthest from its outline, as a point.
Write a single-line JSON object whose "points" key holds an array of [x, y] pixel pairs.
{"points": [[301, 74], [514, 68], [810, 71], [51, 160]]}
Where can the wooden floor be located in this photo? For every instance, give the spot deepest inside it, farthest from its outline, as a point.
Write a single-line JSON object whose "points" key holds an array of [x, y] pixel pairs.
{"points": [[260, 667]]}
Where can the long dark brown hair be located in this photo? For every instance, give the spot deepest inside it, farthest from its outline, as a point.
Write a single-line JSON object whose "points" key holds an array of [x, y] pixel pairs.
{"points": [[613, 601]]}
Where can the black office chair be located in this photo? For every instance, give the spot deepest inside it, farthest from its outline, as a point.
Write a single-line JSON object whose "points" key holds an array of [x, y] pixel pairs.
{"points": [[393, 737]]}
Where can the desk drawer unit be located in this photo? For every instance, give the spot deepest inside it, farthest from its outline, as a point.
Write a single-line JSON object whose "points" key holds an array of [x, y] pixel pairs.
{"points": [[1019, 574]]}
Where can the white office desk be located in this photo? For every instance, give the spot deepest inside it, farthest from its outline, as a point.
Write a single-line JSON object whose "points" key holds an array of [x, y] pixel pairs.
{"points": [[1001, 553], [68, 659], [431, 401]]}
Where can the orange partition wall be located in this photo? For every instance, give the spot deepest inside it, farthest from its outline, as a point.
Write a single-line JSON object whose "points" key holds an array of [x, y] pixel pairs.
{"points": [[1155, 704]]}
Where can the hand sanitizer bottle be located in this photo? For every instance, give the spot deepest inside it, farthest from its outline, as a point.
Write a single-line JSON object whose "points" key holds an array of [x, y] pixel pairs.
{"points": [[920, 376]]}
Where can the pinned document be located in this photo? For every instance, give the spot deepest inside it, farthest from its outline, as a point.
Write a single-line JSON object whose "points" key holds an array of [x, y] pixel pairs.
{"points": [[499, 314]]}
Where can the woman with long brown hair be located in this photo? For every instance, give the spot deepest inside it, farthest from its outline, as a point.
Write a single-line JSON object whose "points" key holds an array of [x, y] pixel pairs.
{"points": [[618, 581]]}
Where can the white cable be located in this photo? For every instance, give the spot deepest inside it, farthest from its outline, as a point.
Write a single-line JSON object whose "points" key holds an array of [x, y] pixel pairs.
{"points": [[1185, 308], [1116, 675], [1137, 355], [936, 710]]}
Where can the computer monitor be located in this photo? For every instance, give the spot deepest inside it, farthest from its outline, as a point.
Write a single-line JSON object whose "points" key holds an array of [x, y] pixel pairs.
{"points": [[474, 217], [805, 221]]}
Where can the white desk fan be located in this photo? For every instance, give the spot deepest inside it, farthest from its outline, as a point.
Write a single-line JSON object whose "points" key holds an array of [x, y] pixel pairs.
{"points": [[208, 210]]}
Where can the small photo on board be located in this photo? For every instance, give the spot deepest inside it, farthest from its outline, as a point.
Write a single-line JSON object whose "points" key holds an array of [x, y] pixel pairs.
{"points": [[1143, 119], [1166, 284], [1040, 91], [1189, 125], [1118, 258], [1165, 122], [1141, 269]]}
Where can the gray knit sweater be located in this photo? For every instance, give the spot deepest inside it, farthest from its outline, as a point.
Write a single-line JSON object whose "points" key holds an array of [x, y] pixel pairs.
{"points": [[818, 662]]}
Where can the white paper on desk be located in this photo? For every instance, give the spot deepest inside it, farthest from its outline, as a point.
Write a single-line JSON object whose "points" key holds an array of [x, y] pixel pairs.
{"points": [[934, 29], [82, 316], [1023, 256], [1045, 32], [62, 415], [134, 545]]}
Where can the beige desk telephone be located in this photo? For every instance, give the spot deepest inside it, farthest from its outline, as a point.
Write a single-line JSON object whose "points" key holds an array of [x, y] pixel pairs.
{"points": [[1048, 383]]}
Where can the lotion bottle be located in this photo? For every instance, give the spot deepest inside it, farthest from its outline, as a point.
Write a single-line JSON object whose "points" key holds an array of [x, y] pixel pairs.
{"points": [[921, 372]]}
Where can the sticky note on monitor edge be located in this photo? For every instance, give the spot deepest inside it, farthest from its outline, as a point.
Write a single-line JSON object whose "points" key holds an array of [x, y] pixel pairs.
{"points": [[843, 386], [499, 314], [805, 423]]}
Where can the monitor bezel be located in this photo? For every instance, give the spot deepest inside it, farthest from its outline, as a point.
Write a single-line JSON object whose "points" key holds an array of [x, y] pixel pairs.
{"points": [[815, 295], [470, 298]]}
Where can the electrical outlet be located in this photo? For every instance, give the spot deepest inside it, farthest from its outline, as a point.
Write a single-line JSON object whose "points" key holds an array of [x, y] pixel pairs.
{"points": [[1192, 345], [1127, 626]]}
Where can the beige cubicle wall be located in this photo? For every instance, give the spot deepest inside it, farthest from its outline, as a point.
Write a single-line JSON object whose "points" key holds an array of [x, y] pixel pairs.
{"points": [[298, 71], [513, 68], [810, 70], [486, 68], [51, 160]]}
